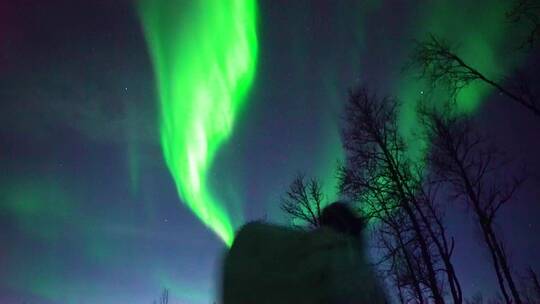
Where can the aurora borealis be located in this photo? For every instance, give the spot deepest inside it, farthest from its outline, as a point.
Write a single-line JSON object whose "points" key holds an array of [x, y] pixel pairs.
{"points": [[484, 47], [135, 137], [204, 55]]}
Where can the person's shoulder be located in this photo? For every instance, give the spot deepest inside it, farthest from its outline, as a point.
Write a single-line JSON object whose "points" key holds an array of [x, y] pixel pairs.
{"points": [[250, 229], [254, 225], [266, 227], [265, 230]]}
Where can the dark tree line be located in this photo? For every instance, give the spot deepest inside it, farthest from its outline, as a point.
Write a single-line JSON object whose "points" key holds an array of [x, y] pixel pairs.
{"points": [[405, 196], [379, 171], [474, 172], [402, 196]]}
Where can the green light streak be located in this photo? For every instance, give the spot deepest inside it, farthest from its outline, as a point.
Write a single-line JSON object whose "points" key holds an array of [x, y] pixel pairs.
{"points": [[204, 55]]}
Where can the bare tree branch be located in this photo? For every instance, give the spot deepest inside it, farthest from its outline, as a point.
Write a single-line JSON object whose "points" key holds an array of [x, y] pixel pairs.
{"points": [[526, 12], [391, 188], [472, 169], [303, 201], [440, 65]]}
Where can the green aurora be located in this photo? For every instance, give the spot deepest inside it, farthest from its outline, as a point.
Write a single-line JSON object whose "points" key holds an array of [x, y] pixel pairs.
{"points": [[483, 48], [191, 136], [204, 55]]}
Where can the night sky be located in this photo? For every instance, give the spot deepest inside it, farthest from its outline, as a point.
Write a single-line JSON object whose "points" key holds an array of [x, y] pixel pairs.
{"points": [[93, 209]]}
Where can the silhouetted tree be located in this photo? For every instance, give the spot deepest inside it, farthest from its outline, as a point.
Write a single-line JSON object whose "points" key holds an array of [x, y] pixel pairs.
{"points": [[473, 171], [303, 201], [530, 287], [164, 298], [391, 187], [535, 283], [527, 13], [440, 65], [400, 263], [430, 210]]}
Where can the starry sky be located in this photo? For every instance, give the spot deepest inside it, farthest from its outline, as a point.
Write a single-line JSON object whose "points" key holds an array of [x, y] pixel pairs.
{"points": [[94, 210]]}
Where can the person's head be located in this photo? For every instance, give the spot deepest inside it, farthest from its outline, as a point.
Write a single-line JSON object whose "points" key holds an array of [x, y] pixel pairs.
{"points": [[341, 218]]}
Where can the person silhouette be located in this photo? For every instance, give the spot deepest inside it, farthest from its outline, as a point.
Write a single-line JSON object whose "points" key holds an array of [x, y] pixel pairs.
{"points": [[274, 264]]}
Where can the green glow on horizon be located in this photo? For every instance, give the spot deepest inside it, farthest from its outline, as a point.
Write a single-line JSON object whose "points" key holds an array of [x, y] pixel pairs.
{"points": [[204, 55], [38, 207], [184, 291]]}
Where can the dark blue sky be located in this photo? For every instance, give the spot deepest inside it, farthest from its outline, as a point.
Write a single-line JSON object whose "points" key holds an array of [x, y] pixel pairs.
{"points": [[88, 210]]}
